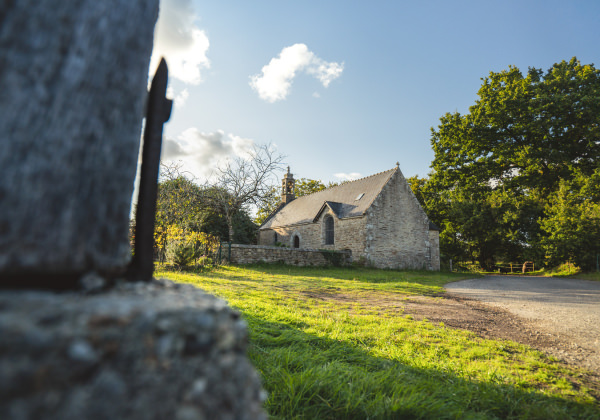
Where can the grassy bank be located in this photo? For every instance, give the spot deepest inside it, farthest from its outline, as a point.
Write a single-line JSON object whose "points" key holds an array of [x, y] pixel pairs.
{"points": [[326, 349], [588, 276]]}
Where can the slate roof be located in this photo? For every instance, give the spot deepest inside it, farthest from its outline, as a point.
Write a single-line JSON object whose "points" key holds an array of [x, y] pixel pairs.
{"points": [[341, 199]]}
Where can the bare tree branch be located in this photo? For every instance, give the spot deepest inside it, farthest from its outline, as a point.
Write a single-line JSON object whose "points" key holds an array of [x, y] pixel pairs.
{"points": [[243, 181], [172, 170]]}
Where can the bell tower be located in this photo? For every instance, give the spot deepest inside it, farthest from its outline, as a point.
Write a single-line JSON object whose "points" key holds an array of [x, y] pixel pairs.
{"points": [[287, 187]]}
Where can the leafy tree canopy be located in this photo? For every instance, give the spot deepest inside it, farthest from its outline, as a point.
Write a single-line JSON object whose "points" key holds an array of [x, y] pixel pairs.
{"points": [[184, 204], [496, 167], [572, 225], [524, 130]]}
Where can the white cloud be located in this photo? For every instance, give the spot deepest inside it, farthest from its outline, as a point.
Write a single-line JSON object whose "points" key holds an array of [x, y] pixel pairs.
{"points": [[178, 39], [347, 177], [171, 150], [324, 71], [170, 91], [240, 146], [201, 152], [181, 98], [274, 83]]}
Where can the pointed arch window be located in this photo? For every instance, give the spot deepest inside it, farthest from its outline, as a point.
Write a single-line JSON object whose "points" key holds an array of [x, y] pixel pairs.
{"points": [[296, 241], [329, 230]]}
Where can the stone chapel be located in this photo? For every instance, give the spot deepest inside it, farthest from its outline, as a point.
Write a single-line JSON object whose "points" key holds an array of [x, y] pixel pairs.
{"points": [[377, 218]]}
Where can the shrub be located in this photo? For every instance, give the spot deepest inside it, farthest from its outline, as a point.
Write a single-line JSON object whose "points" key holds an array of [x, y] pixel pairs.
{"points": [[185, 247], [181, 253], [566, 269]]}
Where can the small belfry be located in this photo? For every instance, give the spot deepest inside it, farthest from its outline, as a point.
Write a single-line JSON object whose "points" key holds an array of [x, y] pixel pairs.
{"points": [[287, 187]]}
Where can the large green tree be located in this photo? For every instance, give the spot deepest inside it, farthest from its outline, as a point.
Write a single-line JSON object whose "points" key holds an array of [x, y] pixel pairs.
{"points": [[497, 167], [179, 202], [183, 203], [572, 225]]}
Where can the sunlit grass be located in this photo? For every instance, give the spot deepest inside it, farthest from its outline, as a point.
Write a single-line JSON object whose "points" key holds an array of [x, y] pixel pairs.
{"points": [[326, 349]]}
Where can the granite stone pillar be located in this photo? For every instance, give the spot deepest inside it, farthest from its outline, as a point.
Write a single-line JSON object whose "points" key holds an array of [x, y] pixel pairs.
{"points": [[73, 85]]}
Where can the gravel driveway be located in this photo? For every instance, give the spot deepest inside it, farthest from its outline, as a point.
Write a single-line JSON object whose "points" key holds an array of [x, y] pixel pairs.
{"points": [[565, 308]]}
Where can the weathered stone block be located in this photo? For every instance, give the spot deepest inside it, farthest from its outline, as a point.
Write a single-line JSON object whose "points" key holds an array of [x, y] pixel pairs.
{"points": [[156, 350], [73, 83]]}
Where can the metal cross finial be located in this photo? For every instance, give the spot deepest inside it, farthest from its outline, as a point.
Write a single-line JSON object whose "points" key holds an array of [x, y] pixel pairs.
{"points": [[158, 112]]}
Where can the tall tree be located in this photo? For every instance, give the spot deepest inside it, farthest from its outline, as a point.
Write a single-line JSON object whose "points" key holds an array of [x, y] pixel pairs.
{"points": [[523, 131], [306, 186], [244, 181], [183, 203], [572, 225], [179, 203], [522, 138], [417, 185]]}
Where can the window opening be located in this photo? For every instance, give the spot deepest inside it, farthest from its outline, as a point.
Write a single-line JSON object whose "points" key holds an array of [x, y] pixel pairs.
{"points": [[329, 233], [296, 241]]}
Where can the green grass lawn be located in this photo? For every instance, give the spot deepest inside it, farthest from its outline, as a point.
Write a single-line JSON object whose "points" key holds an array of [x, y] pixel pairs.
{"points": [[587, 276], [327, 350]]}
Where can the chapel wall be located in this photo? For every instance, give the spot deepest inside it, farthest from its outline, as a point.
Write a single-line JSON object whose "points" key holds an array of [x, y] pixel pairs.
{"points": [[309, 234], [349, 234], [434, 239], [252, 254], [397, 229]]}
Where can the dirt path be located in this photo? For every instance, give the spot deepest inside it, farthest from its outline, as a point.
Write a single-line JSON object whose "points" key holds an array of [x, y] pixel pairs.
{"points": [[558, 316]]}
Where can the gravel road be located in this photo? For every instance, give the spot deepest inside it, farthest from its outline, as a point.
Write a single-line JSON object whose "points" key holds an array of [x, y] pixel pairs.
{"points": [[565, 308]]}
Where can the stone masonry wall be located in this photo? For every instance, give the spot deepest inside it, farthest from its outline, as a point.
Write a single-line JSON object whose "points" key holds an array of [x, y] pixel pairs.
{"points": [[349, 234], [249, 254], [434, 240], [398, 229]]}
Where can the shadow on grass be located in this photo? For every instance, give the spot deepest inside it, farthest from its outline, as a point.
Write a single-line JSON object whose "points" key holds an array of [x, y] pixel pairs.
{"points": [[309, 376], [361, 274], [313, 377]]}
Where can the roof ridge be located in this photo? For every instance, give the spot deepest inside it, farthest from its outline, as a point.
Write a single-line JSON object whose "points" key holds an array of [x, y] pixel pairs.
{"points": [[346, 183]]}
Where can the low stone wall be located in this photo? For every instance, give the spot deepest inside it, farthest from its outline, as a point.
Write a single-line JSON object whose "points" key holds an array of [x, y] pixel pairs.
{"points": [[249, 254], [157, 350]]}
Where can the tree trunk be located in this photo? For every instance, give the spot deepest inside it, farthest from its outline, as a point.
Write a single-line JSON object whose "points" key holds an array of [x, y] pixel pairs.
{"points": [[230, 226]]}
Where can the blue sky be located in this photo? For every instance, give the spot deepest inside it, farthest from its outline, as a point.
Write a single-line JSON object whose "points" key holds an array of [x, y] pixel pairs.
{"points": [[370, 78]]}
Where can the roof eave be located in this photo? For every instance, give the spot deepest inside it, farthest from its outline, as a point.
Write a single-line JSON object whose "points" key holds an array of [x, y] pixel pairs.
{"points": [[270, 216]]}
